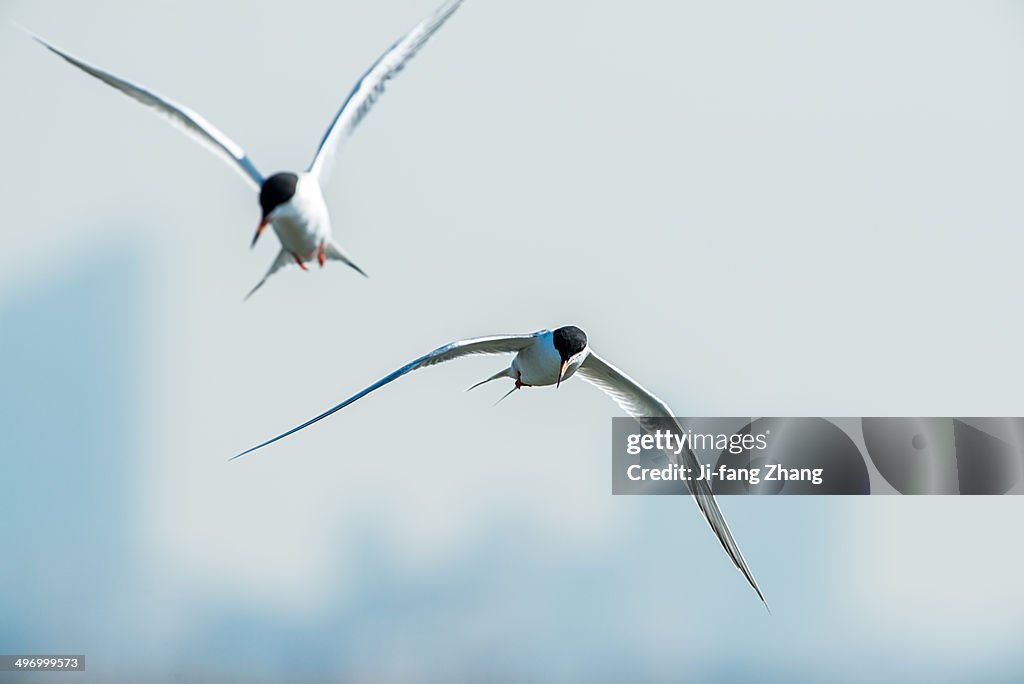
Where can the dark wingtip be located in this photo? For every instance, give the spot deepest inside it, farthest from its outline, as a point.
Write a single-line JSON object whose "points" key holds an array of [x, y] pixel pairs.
{"points": [[247, 451], [757, 590], [763, 601]]}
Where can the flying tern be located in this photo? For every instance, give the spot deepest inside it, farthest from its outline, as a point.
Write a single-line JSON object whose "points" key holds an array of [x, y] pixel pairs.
{"points": [[292, 203], [549, 358]]}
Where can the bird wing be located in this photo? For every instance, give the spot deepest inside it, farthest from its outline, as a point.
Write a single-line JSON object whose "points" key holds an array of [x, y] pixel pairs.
{"points": [[499, 344], [371, 86], [641, 404], [194, 125]]}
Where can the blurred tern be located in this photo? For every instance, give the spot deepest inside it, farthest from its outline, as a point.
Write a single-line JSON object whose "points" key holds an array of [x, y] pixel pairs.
{"points": [[292, 203], [548, 358]]}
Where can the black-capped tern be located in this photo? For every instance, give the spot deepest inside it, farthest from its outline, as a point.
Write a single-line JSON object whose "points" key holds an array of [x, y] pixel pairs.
{"points": [[548, 358], [292, 203]]}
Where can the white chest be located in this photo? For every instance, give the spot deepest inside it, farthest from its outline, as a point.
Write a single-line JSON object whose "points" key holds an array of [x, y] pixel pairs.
{"points": [[302, 223], [539, 363]]}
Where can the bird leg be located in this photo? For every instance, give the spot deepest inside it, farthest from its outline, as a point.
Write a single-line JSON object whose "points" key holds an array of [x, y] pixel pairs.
{"points": [[321, 256], [298, 260]]}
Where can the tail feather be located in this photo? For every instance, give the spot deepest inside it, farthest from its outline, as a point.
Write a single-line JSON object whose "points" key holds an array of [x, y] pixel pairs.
{"points": [[505, 373], [506, 394], [283, 258], [334, 252]]}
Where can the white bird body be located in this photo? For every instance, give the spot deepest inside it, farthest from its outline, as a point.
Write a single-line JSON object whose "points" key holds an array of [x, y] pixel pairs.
{"points": [[548, 358], [293, 204], [538, 365], [303, 223]]}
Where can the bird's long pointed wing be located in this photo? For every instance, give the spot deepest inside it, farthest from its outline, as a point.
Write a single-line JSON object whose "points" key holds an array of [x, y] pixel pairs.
{"points": [[371, 86], [641, 404], [499, 344], [194, 125]]}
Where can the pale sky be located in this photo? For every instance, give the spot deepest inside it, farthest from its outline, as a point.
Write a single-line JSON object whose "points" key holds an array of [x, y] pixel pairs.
{"points": [[786, 209]]}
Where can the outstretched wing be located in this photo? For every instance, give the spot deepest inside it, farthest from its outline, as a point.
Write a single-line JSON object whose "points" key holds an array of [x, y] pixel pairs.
{"points": [[371, 86], [499, 344], [641, 405], [194, 125]]}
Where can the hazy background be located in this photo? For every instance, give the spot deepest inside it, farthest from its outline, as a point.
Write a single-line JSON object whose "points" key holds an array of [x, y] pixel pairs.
{"points": [[795, 209]]}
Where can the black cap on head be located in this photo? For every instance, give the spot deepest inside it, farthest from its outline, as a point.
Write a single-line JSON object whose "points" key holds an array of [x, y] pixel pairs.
{"points": [[569, 341], [277, 190]]}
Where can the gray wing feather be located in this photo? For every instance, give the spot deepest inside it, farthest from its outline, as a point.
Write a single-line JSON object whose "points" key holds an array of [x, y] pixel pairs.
{"points": [[641, 404], [371, 86], [183, 118], [499, 344]]}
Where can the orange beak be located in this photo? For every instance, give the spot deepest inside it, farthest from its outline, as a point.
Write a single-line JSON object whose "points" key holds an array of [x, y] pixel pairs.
{"points": [[561, 373], [259, 230]]}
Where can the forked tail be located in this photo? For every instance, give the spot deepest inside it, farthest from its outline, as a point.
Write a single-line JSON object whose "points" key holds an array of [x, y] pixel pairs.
{"points": [[334, 252], [506, 373], [283, 258]]}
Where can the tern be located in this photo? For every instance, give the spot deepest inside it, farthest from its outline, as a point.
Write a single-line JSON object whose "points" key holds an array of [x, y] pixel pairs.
{"points": [[293, 203], [547, 358]]}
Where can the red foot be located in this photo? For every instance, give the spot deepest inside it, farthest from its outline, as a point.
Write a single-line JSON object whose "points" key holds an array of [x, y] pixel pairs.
{"points": [[299, 262], [321, 256], [519, 383]]}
